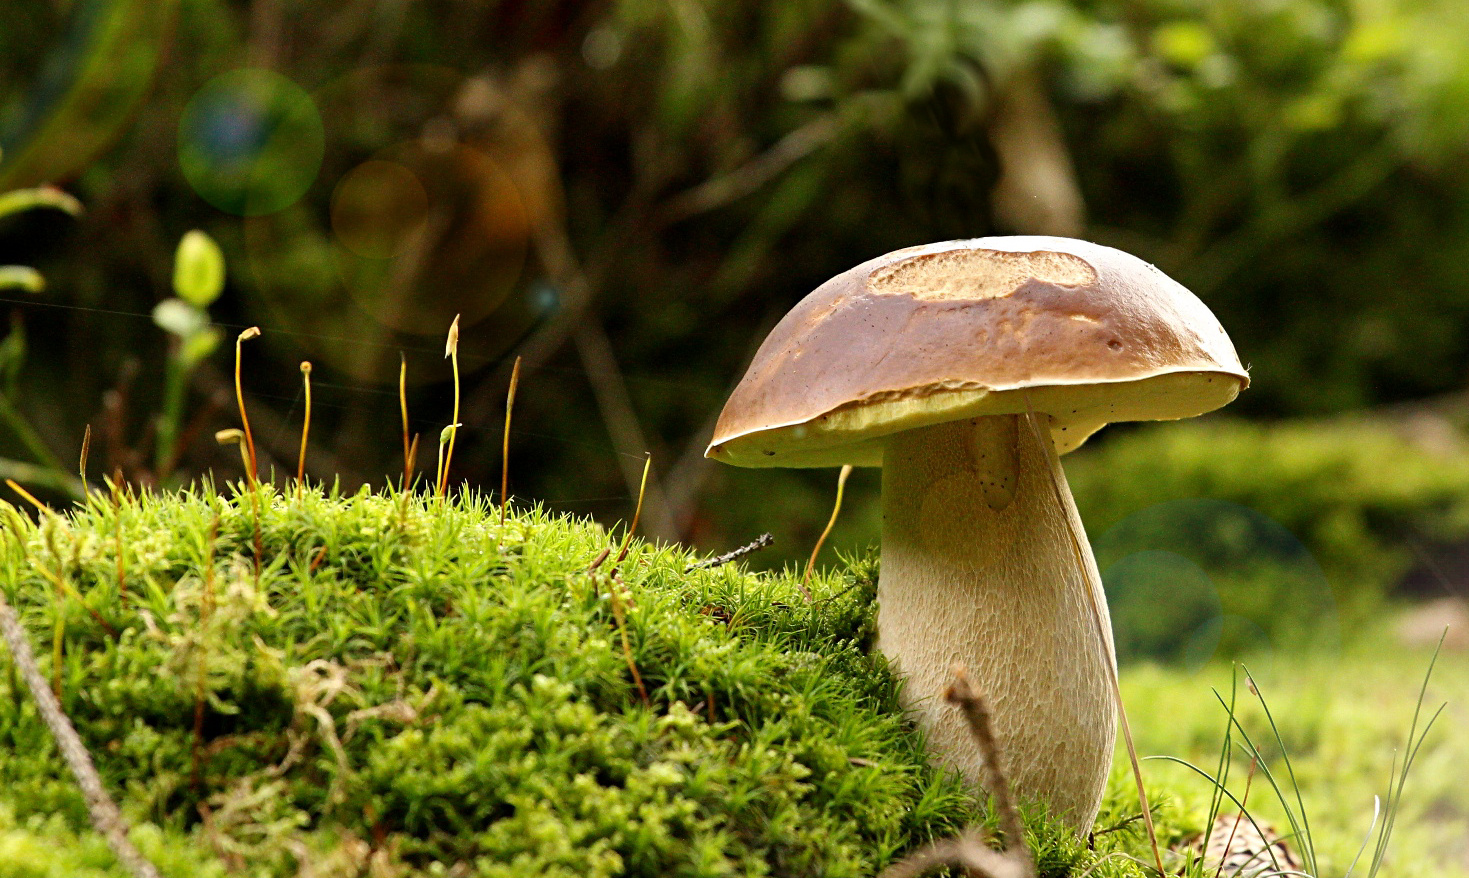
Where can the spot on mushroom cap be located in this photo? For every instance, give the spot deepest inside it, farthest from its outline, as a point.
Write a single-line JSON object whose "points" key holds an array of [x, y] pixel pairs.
{"points": [[1079, 331]]}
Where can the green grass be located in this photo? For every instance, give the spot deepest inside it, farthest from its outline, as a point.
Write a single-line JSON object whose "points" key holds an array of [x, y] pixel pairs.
{"points": [[1344, 719], [404, 686]]}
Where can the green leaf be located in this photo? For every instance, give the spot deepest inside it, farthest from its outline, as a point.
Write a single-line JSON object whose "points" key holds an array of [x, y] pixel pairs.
{"points": [[198, 346], [179, 317], [18, 200], [198, 270], [12, 355], [21, 277]]}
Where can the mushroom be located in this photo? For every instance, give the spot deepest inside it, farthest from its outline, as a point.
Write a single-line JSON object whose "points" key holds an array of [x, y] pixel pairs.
{"points": [[963, 369]]}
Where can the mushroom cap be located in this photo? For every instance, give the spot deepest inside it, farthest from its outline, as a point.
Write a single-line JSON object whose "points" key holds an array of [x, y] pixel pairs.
{"points": [[1084, 333]]}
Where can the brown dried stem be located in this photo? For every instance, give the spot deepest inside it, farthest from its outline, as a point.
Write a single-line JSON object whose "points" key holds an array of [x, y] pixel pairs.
{"points": [[104, 812], [759, 543]]}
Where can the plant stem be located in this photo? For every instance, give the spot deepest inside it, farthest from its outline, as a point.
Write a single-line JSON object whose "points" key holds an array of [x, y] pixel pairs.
{"points": [[105, 815], [830, 523], [505, 447], [175, 382]]}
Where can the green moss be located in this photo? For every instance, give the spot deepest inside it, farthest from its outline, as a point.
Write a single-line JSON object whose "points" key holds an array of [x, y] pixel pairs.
{"points": [[406, 681]]}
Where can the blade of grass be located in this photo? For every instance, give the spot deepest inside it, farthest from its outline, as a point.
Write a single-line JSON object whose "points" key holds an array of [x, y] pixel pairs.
{"points": [[1255, 753], [1395, 792], [1226, 793], [1366, 840], [1303, 830], [636, 514]]}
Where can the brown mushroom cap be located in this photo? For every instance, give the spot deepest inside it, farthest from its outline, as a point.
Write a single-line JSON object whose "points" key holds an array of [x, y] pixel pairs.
{"points": [[958, 329]]}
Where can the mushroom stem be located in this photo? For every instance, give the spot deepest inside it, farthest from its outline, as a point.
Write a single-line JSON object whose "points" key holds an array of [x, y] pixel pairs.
{"points": [[978, 567]]}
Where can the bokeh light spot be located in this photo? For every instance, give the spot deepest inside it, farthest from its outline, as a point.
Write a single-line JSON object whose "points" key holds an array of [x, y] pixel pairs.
{"points": [[251, 142], [1141, 583], [1196, 577], [378, 209]]}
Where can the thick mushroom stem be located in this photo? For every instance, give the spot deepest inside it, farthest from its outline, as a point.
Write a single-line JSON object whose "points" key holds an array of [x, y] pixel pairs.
{"points": [[980, 566]]}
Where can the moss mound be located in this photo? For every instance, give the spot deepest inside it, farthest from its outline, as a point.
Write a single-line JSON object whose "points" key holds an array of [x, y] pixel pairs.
{"points": [[406, 686]]}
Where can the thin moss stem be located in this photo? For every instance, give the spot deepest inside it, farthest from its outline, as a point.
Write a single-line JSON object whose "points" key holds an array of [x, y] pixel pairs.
{"points": [[305, 429], [836, 510], [505, 442]]}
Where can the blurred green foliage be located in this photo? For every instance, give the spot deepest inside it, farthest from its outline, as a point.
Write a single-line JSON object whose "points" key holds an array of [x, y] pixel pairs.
{"points": [[1229, 535], [630, 193], [1215, 537]]}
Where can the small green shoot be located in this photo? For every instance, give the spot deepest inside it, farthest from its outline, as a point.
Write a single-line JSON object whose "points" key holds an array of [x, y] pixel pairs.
{"points": [[441, 473]]}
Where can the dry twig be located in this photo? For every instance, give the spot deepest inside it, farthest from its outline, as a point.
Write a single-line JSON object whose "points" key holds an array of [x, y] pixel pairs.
{"points": [[759, 543], [105, 815]]}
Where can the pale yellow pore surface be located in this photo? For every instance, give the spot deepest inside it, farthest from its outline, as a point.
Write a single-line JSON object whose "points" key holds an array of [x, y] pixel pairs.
{"points": [[978, 566], [857, 434], [978, 274]]}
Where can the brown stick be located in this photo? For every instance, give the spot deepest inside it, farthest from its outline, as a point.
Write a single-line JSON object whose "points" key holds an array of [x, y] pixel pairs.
{"points": [[759, 543], [969, 849], [104, 812], [976, 710]]}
